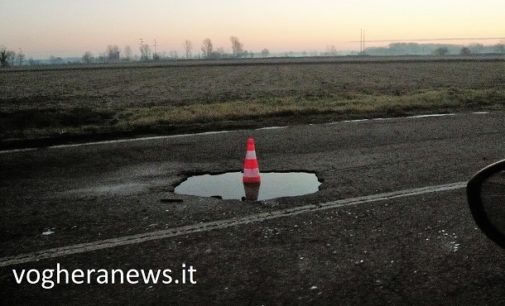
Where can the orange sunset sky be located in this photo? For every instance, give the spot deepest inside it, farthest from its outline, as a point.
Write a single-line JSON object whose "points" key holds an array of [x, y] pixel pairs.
{"points": [[68, 28]]}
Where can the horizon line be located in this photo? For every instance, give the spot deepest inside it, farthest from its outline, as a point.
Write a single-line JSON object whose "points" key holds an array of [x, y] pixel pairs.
{"points": [[428, 39]]}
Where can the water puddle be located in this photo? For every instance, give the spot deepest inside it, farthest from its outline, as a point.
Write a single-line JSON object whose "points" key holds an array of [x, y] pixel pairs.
{"points": [[229, 186]]}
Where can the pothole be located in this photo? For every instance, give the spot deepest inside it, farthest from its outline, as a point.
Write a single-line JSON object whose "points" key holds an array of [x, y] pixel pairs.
{"points": [[229, 186]]}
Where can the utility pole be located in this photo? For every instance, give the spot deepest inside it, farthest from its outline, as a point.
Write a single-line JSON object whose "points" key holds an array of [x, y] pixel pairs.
{"points": [[363, 51], [362, 42]]}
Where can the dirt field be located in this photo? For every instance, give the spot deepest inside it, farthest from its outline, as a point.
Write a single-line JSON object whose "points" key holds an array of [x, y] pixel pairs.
{"points": [[70, 103]]}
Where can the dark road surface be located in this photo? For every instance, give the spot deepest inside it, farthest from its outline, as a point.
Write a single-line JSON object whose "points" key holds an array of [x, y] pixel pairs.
{"points": [[404, 244]]}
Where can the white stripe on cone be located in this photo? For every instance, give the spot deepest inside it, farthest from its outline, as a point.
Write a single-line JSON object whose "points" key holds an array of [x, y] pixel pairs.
{"points": [[251, 172], [250, 155]]}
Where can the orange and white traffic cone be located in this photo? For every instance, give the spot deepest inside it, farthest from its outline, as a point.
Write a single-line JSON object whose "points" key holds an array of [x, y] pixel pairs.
{"points": [[251, 168]]}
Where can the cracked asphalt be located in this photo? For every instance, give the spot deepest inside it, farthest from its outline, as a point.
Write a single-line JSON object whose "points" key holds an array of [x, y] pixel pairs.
{"points": [[422, 249]]}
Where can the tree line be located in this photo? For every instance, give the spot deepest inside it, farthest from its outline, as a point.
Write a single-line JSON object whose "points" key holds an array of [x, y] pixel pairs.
{"points": [[434, 49], [9, 57], [147, 52]]}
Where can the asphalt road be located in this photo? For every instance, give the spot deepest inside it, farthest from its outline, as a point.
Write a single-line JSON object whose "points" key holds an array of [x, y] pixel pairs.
{"points": [[373, 234]]}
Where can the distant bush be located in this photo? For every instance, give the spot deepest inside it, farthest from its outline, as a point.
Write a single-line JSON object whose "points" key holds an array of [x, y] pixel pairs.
{"points": [[465, 51], [441, 51]]}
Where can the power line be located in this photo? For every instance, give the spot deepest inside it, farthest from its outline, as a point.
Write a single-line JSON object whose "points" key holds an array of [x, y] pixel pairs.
{"points": [[425, 39]]}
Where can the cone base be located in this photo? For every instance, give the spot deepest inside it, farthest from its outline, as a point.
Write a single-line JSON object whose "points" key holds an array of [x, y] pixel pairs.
{"points": [[251, 192], [251, 180]]}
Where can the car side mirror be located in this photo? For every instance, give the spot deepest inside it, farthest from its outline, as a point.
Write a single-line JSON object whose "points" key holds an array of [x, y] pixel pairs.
{"points": [[486, 197]]}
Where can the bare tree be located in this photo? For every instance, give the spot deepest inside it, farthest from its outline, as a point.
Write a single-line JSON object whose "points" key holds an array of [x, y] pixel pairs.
{"points": [[112, 53], [6, 57], [465, 51], [207, 48], [145, 51], [56, 60], [101, 58], [87, 57], [127, 51], [188, 47], [33, 62], [265, 53], [20, 57], [441, 51], [237, 47], [156, 56]]}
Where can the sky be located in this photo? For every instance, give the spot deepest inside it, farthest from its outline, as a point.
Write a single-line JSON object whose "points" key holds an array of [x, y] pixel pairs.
{"points": [[69, 28]]}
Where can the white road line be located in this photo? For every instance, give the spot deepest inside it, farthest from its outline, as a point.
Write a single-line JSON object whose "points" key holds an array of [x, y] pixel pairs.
{"points": [[18, 150], [272, 128], [136, 139], [347, 121], [125, 140], [431, 116], [220, 224]]}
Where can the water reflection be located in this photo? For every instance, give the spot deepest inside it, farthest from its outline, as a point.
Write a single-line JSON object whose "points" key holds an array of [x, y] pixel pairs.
{"points": [[251, 192], [229, 186]]}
